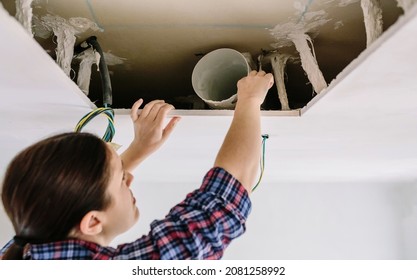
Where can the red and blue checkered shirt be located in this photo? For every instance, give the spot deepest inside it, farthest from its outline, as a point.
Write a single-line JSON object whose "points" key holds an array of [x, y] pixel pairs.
{"points": [[200, 227]]}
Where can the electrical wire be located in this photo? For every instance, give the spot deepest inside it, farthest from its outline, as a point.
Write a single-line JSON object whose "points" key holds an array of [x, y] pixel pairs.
{"points": [[107, 92], [262, 161], [108, 112]]}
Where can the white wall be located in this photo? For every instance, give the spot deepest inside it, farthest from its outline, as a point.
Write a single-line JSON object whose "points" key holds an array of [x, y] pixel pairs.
{"points": [[352, 220], [331, 221], [340, 181]]}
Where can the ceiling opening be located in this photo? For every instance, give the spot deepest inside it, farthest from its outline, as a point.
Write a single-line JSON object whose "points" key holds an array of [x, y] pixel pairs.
{"points": [[152, 47]]}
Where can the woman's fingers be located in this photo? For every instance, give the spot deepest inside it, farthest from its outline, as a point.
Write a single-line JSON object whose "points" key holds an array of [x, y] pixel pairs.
{"points": [[134, 111], [148, 107]]}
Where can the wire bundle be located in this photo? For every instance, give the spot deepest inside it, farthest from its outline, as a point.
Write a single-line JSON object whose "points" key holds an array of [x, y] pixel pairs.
{"points": [[109, 113], [262, 163]]}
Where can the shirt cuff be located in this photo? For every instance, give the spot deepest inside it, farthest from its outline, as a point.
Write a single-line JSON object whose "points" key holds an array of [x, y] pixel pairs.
{"points": [[223, 184]]}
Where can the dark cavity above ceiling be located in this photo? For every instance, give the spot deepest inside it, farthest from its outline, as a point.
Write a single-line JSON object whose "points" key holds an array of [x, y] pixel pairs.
{"points": [[160, 42]]}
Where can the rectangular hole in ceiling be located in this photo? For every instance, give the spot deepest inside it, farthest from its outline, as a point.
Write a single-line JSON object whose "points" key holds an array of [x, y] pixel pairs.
{"points": [[152, 47]]}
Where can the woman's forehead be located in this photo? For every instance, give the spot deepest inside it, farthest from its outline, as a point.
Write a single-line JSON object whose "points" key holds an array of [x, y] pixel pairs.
{"points": [[114, 156]]}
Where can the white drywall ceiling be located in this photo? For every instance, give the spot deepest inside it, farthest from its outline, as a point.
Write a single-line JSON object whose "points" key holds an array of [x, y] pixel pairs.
{"points": [[362, 129]]}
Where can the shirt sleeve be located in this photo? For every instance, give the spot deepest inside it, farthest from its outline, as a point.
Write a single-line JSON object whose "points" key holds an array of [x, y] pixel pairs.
{"points": [[202, 225], [5, 247]]}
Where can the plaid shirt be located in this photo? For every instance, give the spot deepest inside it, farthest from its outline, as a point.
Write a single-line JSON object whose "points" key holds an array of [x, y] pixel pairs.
{"points": [[200, 227]]}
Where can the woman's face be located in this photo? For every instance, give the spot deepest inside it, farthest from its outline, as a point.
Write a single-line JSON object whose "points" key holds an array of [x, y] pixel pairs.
{"points": [[122, 213]]}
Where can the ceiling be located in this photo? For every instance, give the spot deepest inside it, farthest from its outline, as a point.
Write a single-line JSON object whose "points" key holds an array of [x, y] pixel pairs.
{"points": [[160, 41], [361, 128]]}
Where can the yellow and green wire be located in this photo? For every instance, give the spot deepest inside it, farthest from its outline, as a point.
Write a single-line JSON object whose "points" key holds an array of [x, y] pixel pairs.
{"points": [[108, 113], [262, 161]]}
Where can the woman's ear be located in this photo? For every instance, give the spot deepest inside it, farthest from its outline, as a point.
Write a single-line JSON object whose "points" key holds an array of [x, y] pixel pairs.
{"points": [[91, 224]]}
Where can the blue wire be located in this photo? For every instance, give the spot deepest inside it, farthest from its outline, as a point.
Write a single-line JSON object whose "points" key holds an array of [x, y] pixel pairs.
{"points": [[305, 10], [262, 161]]}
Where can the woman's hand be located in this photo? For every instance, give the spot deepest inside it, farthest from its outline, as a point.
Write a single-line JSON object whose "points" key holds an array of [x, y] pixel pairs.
{"points": [[254, 87], [149, 129]]}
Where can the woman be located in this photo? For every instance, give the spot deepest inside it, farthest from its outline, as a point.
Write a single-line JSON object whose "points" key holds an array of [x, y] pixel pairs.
{"points": [[68, 196]]}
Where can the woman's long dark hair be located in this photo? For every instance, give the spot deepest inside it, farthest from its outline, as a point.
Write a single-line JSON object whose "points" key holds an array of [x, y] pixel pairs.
{"points": [[51, 185]]}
